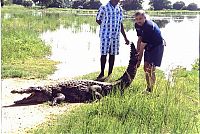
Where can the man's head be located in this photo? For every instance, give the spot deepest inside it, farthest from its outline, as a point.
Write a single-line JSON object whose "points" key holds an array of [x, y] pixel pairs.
{"points": [[140, 17], [114, 2]]}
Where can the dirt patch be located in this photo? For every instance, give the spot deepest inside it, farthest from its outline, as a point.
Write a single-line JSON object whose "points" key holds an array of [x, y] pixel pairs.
{"points": [[17, 119]]}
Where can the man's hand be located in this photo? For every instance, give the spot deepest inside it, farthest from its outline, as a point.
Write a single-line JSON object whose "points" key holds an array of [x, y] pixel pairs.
{"points": [[139, 60], [140, 51], [98, 21], [127, 41]]}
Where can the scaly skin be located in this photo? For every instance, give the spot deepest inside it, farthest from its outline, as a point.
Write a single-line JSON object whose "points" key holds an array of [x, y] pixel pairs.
{"points": [[79, 90]]}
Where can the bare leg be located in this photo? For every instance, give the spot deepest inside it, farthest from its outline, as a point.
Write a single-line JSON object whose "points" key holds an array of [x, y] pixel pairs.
{"points": [[150, 76], [111, 64], [103, 63]]}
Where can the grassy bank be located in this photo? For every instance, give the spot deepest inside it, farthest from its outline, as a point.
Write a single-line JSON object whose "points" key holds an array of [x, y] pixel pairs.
{"points": [[23, 51], [24, 54], [172, 108]]}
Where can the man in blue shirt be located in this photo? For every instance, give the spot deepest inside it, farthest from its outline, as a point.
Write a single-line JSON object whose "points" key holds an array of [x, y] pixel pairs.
{"points": [[150, 40], [110, 17]]}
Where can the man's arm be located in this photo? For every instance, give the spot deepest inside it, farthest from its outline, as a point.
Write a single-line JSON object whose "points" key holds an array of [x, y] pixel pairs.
{"points": [[124, 34], [138, 43], [100, 15], [140, 49]]}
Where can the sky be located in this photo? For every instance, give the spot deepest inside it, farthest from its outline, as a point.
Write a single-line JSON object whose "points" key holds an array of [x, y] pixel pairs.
{"points": [[173, 1]]}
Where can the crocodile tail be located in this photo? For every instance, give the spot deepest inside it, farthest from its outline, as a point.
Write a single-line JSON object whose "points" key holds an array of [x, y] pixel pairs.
{"points": [[131, 70]]}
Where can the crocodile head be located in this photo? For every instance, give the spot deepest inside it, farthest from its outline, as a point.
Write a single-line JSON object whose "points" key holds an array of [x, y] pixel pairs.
{"points": [[37, 96]]}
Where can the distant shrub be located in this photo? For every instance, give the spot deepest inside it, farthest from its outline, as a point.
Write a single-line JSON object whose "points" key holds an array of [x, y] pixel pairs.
{"points": [[77, 4], [195, 66], [18, 2], [192, 6], [91, 5], [27, 3], [6, 2]]}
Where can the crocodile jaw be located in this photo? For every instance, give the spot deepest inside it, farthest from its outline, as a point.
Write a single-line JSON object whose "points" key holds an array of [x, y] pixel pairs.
{"points": [[34, 98]]}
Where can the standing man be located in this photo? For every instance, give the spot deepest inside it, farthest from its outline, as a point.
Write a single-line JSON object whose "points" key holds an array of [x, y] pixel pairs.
{"points": [[150, 40], [110, 17]]}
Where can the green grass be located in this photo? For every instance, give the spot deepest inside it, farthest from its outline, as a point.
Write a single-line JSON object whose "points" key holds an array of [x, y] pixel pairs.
{"points": [[29, 69], [172, 108], [21, 44]]}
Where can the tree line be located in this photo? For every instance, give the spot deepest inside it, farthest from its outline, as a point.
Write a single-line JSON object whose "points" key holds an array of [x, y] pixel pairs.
{"points": [[95, 4]]}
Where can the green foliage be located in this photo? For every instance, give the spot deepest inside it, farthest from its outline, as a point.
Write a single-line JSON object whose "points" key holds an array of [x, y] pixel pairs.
{"points": [[195, 66], [19, 2], [178, 5], [160, 4], [172, 108], [192, 6], [76, 4], [132, 4], [27, 3], [91, 4], [59, 3]]}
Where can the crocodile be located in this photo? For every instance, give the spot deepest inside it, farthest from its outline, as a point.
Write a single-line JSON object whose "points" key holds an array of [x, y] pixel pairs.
{"points": [[79, 91]]}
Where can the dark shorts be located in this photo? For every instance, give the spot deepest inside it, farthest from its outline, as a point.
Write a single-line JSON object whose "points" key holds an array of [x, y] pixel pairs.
{"points": [[154, 54]]}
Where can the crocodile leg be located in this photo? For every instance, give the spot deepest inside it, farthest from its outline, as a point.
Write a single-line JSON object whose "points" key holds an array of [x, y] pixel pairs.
{"points": [[60, 97]]}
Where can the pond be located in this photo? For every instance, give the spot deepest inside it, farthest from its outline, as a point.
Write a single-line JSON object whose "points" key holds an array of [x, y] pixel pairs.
{"points": [[77, 48]]}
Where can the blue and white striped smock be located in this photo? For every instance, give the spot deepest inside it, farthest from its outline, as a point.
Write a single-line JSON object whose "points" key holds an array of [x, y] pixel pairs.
{"points": [[111, 18]]}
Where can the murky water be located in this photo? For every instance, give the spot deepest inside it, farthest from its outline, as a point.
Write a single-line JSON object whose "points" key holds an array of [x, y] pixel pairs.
{"points": [[79, 51]]}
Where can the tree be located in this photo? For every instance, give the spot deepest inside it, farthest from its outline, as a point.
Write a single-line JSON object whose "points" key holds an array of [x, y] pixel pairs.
{"points": [[78, 3], [160, 4], [28, 3], [18, 2], [52, 3], [132, 4], [45, 3], [92, 4], [192, 6], [178, 5], [59, 3]]}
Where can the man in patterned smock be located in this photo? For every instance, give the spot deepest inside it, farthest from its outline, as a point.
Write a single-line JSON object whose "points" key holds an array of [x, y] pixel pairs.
{"points": [[110, 17], [150, 40]]}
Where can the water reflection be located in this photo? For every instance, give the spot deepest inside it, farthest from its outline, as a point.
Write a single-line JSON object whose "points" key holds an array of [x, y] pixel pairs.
{"points": [[78, 50], [178, 19], [161, 23], [191, 17]]}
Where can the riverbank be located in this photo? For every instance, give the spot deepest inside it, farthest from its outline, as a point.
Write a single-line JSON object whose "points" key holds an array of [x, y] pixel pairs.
{"points": [[30, 56], [173, 107]]}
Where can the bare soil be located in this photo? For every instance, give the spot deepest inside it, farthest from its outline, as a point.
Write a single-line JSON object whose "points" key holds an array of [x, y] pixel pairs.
{"points": [[18, 119]]}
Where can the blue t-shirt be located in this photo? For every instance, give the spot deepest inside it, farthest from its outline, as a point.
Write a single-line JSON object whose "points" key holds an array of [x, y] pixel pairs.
{"points": [[150, 33]]}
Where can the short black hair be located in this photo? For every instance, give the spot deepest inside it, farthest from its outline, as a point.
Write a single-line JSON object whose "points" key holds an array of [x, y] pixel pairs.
{"points": [[140, 12]]}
